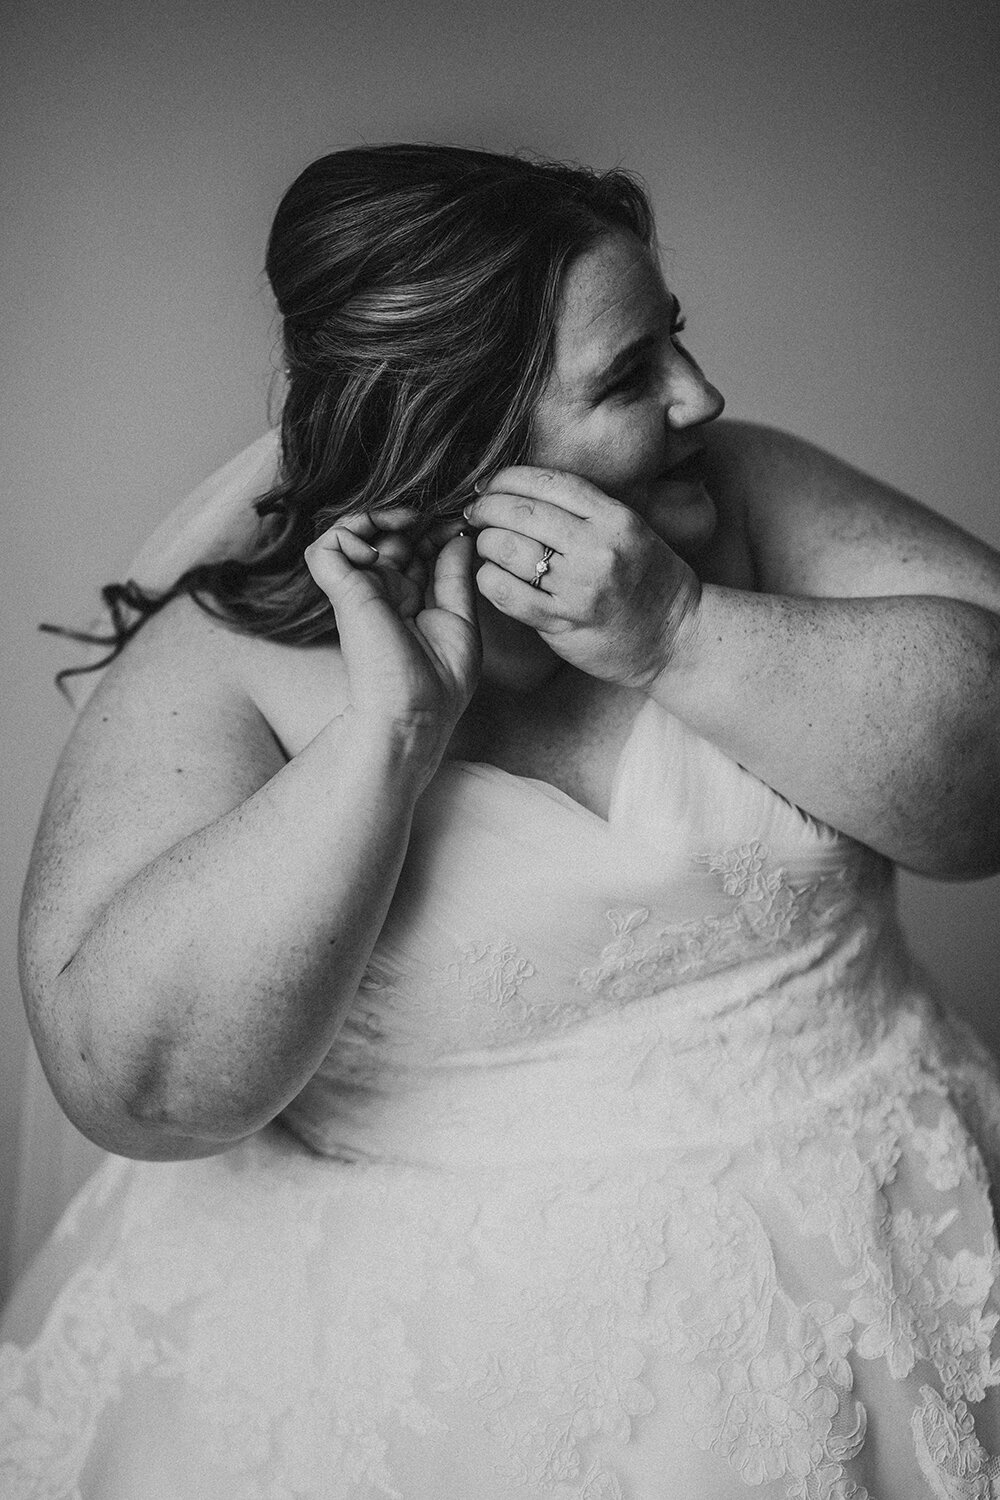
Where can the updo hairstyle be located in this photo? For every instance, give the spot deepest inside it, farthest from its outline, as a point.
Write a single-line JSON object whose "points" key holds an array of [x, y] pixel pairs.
{"points": [[418, 288]]}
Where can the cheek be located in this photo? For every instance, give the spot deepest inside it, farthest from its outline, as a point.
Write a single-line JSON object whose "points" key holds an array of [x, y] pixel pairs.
{"points": [[556, 445], [617, 453], [630, 453]]}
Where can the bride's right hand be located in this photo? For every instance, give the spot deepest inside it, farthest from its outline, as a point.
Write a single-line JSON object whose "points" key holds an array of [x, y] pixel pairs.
{"points": [[407, 624]]}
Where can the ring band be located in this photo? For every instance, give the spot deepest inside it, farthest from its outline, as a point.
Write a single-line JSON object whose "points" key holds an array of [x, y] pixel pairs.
{"points": [[541, 568]]}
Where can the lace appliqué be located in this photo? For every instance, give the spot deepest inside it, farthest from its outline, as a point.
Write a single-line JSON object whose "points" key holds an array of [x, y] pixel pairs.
{"points": [[487, 982], [951, 1457], [478, 998], [571, 1348], [190, 1292], [769, 1387], [769, 907]]}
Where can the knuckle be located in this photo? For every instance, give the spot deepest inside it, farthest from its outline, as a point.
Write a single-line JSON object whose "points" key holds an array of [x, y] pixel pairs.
{"points": [[632, 527], [604, 557]]}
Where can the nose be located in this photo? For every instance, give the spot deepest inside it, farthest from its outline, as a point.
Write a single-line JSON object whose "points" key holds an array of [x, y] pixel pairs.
{"points": [[691, 399]]}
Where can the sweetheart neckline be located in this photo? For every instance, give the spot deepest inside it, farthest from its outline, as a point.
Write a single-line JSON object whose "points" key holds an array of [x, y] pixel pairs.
{"points": [[555, 793]]}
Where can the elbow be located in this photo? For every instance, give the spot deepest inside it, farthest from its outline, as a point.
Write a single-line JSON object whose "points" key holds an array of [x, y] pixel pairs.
{"points": [[115, 1088], [186, 1100], [164, 1117], [118, 1122], [125, 1110]]}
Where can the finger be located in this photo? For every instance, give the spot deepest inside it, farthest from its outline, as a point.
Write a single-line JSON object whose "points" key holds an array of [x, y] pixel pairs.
{"points": [[395, 550], [559, 487], [389, 530], [357, 551], [513, 597], [395, 517], [334, 570], [430, 542], [367, 623], [391, 518], [542, 521], [357, 526], [392, 549], [518, 554], [453, 583]]}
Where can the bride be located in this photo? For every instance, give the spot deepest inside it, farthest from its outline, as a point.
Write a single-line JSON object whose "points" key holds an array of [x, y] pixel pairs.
{"points": [[465, 910]]}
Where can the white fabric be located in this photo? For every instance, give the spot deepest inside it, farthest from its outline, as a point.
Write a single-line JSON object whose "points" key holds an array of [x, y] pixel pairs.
{"points": [[644, 1168], [216, 520]]}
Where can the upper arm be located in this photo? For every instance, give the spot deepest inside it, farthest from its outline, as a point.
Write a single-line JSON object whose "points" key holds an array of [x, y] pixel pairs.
{"points": [[170, 741], [815, 526]]}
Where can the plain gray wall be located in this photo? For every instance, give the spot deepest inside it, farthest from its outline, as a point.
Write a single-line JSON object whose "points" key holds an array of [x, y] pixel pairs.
{"points": [[826, 180]]}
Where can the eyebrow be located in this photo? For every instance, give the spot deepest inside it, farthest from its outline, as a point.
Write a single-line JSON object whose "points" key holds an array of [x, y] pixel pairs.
{"points": [[627, 357]]}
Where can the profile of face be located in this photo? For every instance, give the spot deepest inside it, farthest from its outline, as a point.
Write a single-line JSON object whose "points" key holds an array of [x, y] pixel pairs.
{"points": [[624, 400]]}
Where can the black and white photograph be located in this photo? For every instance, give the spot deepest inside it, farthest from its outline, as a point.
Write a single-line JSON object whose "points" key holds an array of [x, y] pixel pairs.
{"points": [[501, 646]]}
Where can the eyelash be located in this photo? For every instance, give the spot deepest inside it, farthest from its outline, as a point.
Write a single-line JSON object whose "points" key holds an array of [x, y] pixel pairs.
{"points": [[640, 373]]}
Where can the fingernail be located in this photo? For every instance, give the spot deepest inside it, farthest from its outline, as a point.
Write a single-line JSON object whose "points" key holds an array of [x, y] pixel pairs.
{"points": [[465, 513], [477, 487], [371, 549]]}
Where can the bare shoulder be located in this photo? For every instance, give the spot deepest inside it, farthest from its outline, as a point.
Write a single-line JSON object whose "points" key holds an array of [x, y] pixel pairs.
{"points": [[189, 721], [187, 676], [814, 524]]}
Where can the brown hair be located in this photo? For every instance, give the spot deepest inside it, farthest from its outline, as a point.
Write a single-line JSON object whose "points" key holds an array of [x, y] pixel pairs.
{"points": [[418, 287]]}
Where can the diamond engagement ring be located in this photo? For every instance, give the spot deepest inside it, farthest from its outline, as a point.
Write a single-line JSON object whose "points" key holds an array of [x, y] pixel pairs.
{"points": [[541, 568]]}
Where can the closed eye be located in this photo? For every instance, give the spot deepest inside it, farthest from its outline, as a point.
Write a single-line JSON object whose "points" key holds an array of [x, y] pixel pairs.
{"points": [[635, 379], [638, 376]]}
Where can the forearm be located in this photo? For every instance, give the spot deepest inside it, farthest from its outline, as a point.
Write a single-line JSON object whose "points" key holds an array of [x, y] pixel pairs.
{"points": [[212, 985], [880, 716]]}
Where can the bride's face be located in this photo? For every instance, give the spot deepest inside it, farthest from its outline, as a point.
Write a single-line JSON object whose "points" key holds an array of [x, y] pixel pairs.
{"points": [[624, 402], [622, 408]]}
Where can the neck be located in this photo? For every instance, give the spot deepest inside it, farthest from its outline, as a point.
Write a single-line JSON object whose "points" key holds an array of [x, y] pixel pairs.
{"points": [[515, 658]]}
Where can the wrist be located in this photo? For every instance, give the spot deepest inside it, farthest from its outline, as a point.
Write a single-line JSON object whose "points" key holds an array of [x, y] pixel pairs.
{"points": [[678, 640], [399, 746]]}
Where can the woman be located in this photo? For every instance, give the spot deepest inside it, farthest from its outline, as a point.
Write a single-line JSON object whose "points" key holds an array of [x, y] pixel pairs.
{"points": [[494, 977]]}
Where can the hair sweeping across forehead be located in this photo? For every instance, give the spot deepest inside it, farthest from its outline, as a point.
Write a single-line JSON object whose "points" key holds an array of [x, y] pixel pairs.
{"points": [[418, 288]]}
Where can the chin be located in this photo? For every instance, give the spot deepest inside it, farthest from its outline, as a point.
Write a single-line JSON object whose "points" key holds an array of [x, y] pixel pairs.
{"points": [[683, 514]]}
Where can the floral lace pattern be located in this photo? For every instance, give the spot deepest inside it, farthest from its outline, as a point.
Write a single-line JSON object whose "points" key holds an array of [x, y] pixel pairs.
{"points": [[769, 908], [617, 1181]]}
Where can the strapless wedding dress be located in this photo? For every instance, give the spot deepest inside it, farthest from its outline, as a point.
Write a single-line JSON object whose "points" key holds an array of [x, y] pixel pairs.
{"points": [[644, 1168]]}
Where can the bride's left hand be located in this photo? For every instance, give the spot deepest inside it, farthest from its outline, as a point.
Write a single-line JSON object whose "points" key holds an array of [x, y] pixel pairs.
{"points": [[614, 598]]}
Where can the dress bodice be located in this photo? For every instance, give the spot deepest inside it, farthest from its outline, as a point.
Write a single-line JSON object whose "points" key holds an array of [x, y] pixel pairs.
{"points": [[551, 982]]}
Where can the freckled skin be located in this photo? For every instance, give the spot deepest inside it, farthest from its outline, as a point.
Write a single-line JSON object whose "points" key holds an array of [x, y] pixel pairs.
{"points": [[843, 648], [619, 437], [851, 667]]}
